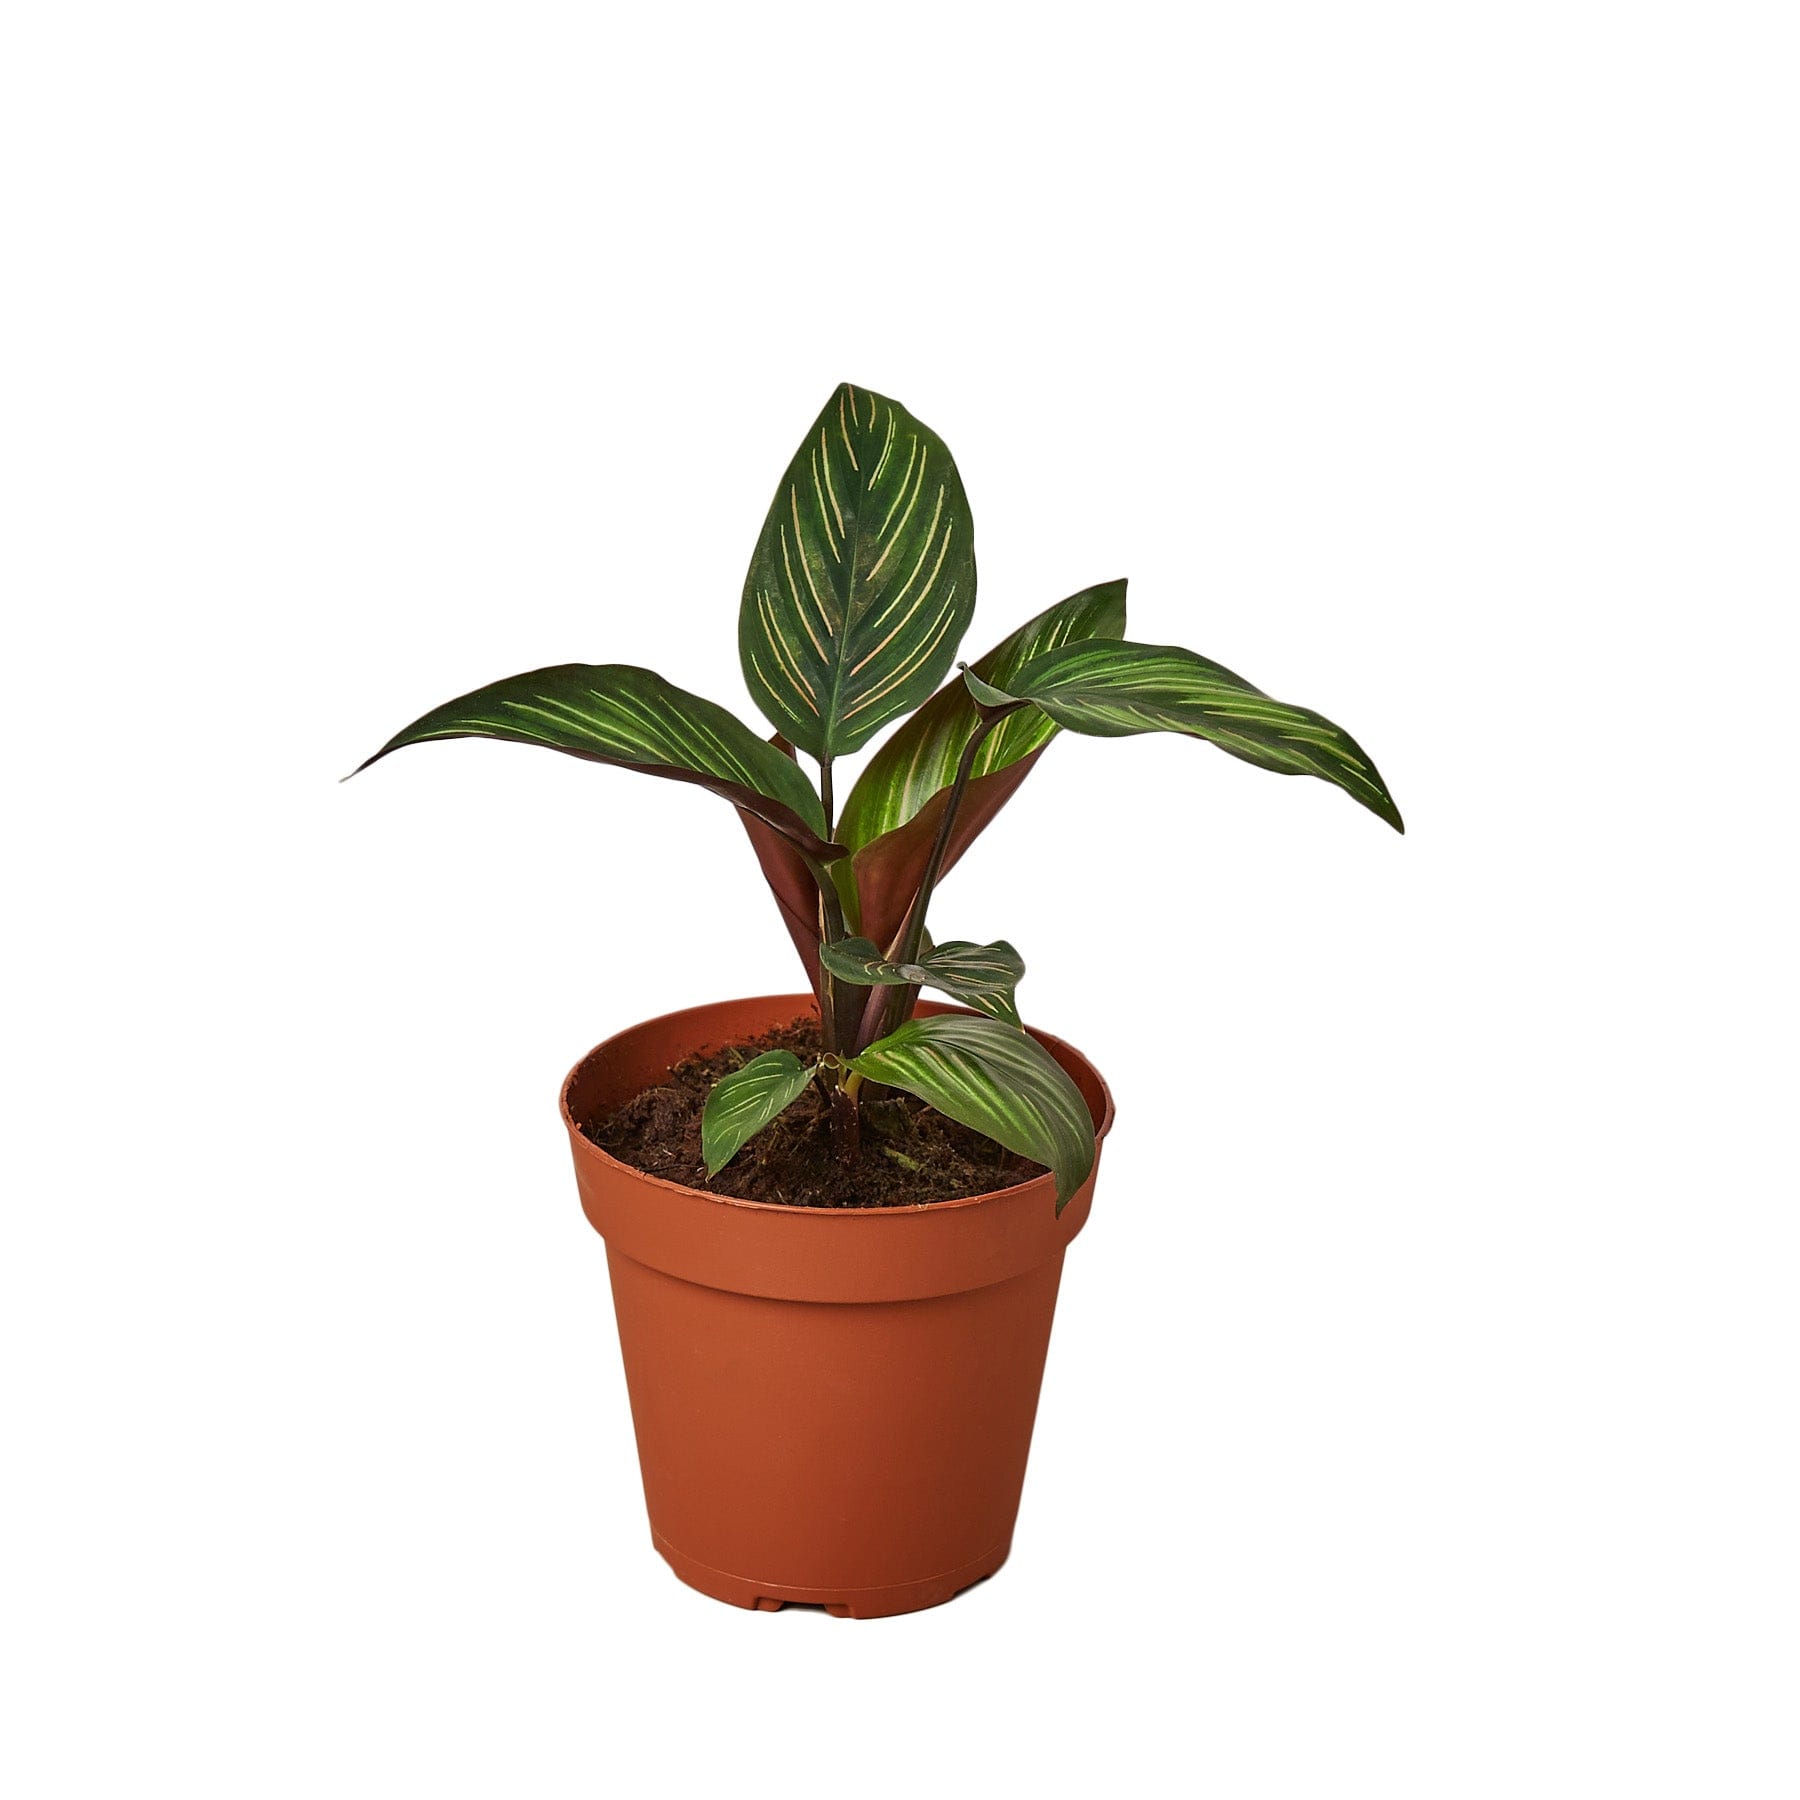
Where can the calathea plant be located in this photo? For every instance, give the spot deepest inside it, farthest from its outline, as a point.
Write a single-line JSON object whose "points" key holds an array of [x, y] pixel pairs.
{"points": [[859, 592]]}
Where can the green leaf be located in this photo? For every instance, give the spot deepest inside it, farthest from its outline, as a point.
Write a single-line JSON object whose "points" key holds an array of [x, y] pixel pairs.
{"points": [[985, 695], [919, 761], [893, 812], [614, 713], [1118, 690], [746, 1100], [980, 975], [886, 874], [863, 578], [996, 1080]]}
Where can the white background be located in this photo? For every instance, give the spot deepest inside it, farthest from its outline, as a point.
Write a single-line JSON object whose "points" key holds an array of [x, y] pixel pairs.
{"points": [[1421, 1415]]}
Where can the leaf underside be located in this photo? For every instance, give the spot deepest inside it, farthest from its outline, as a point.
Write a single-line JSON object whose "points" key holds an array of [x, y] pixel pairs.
{"points": [[863, 579], [790, 881]]}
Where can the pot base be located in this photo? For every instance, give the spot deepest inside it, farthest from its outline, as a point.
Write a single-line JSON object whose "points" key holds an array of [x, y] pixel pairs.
{"points": [[841, 1603]]}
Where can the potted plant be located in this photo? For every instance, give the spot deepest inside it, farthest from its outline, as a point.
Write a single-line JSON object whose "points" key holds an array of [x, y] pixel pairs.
{"points": [[835, 1221]]}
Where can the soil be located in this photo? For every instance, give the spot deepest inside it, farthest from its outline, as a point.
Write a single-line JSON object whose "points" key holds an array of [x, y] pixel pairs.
{"points": [[909, 1155]]}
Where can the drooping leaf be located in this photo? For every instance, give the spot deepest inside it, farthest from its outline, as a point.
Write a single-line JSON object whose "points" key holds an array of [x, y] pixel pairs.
{"points": [[863, 579], [995, 1079], [615, 713], [746, 1100], [980, 975], [919, 760], [1120, 689]]}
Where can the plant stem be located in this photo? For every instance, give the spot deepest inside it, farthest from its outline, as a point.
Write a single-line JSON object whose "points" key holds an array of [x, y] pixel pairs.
{"points": [[831, 929], [846, 1125], [831, 914], [840, 1094]]}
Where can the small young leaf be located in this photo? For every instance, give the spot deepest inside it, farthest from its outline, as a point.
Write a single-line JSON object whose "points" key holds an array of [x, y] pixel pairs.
{"points": [[1120, 689], [984, 694], [996, 1080], [746, 1100], [980, 975]]}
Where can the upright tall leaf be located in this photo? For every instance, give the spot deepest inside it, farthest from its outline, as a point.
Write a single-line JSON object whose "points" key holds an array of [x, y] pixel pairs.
{"points": [[1118, 690], [863, 579], [614, 713], [996, 1080]]}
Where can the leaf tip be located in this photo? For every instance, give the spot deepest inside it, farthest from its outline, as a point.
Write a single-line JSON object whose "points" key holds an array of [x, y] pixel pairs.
{"points": [[366, 762]]}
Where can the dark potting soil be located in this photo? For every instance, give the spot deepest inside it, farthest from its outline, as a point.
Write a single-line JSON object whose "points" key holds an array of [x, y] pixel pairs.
{"points": [[909, 1154]]}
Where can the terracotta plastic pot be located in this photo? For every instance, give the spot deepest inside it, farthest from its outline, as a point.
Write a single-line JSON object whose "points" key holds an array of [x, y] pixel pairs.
{"points": [[832, 1406]]}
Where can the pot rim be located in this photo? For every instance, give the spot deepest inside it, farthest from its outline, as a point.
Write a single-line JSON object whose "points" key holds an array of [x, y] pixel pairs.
{"points": [[803, 1003]]}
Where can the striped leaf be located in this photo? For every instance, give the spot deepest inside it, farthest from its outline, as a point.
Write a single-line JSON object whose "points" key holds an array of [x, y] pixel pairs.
{"points": [[1120, 689], [919, 761], [893, 812], [886, 874], [746, 1100], [863, 578], [980, 975], [996, 1080], [614, 713]]}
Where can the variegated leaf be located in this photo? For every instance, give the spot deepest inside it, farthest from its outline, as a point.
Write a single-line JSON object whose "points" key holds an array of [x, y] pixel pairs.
{"points": [[886, 874], [980, 975], [919, 761], [614, 713], [893, 812], [1120, 689], [863, 579], [746, 1100], [996, 1080]]}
